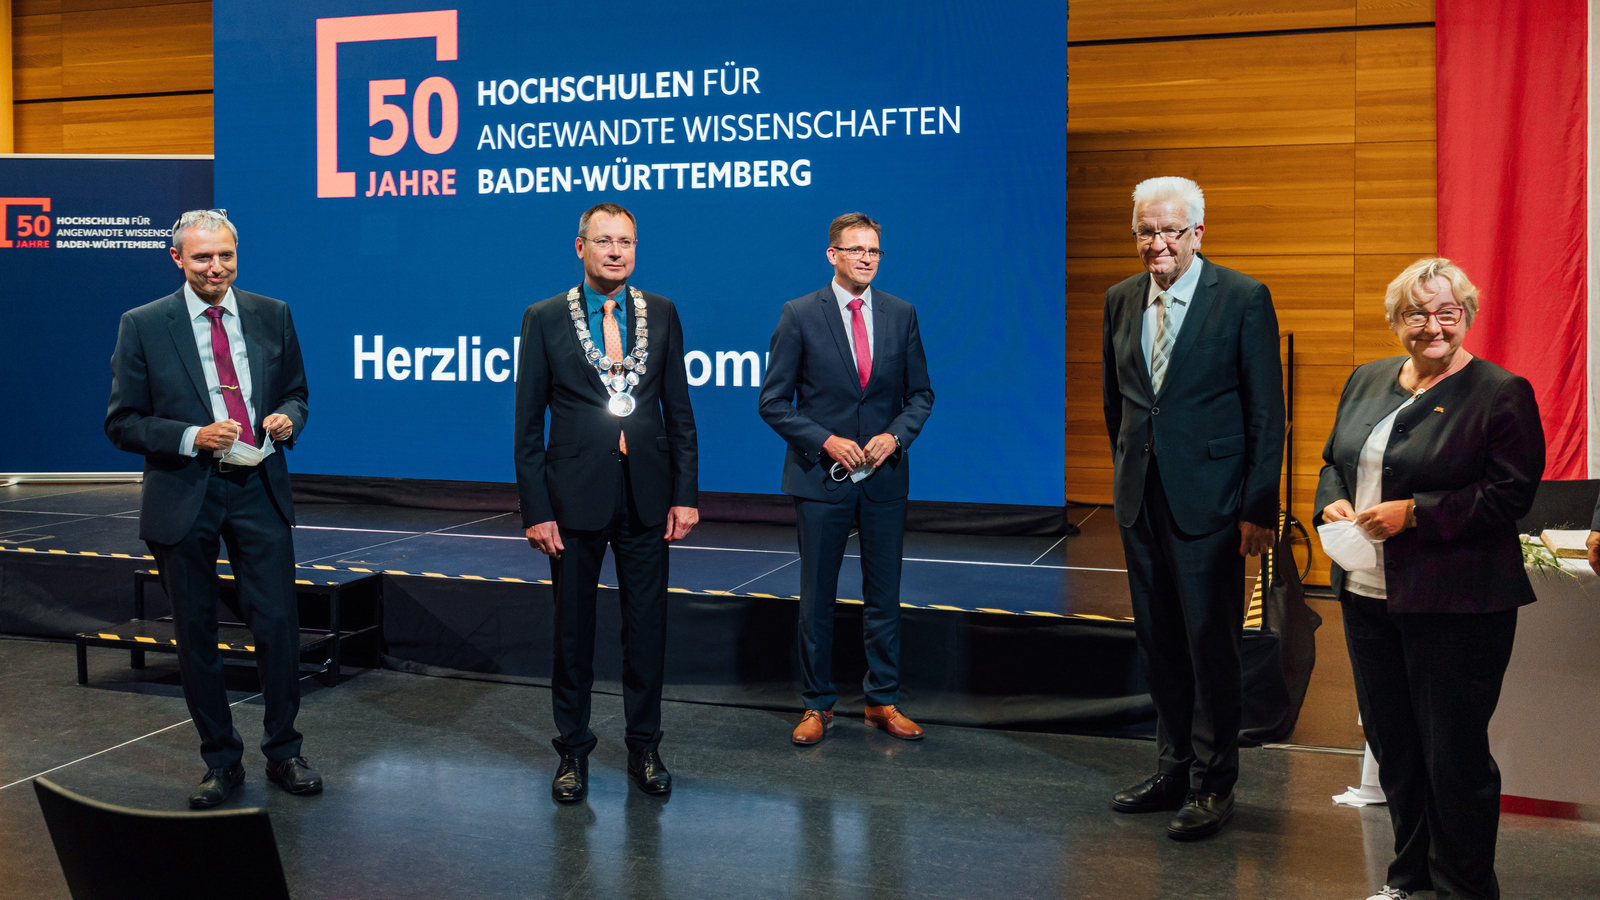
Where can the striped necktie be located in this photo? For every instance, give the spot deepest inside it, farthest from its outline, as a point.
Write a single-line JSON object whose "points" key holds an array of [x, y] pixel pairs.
{"points": [[1161, 348]]}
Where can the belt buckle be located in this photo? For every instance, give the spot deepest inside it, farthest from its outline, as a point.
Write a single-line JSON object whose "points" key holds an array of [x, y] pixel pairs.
{"points": [[225, 467]]}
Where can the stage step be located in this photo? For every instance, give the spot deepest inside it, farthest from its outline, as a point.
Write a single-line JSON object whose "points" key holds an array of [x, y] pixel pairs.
{"points": [[143, 636]]}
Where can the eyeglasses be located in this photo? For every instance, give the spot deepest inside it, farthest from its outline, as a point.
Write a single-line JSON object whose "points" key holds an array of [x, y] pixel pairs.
{"points": [[1170, 235], [872, 253], [605, 243], [1450, 315]]}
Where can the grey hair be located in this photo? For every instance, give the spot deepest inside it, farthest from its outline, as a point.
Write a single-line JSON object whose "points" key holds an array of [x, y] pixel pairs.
{"points": [[1403, 289], [205, 220], [610, 209], [1171, 188]]}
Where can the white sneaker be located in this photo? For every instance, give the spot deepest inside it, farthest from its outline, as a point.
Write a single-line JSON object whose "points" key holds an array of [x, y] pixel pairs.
{"points": [[1390, 893]]}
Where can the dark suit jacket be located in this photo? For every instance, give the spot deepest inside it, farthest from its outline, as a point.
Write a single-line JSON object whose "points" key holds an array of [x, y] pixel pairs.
{"points": [[1470, 451], [1217, 425], [158, 390], [812, 391], [566, 479]]}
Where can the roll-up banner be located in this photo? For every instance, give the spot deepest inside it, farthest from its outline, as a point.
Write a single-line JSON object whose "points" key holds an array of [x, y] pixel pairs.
{"points": [[409, 178], [84, 239]]}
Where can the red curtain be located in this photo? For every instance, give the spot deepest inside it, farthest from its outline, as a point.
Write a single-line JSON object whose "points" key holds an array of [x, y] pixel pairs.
{"points": [[1513, 206]]}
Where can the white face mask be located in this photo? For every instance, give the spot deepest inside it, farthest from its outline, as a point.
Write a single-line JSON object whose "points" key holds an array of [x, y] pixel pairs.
{"points": [[1348, 545], [242, 454]]}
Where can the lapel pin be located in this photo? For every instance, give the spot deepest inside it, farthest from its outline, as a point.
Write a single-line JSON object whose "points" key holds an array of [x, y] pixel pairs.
{"points": [[1438, 409]]}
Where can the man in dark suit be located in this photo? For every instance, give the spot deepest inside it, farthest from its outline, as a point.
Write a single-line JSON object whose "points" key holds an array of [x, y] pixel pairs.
{"points": [[620, 467], [207, 384], [847, 388], [1194, 408]]}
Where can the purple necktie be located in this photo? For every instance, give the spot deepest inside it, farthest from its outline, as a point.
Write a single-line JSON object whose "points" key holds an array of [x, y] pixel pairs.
{"points": [[858, 324], [228, 377]]}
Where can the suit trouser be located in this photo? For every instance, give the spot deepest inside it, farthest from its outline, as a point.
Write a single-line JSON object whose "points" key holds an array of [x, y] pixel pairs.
{"points": [[1188, 613], [641, 559], [239, 510], [1427, 685], [824, 530]]}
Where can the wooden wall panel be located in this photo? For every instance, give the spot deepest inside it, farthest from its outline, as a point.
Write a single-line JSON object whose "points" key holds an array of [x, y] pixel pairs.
{"points": [[1392, 12], [1373, 337], [1311, 295], [1260, 201], [1287, 89], [131, 49], [1395, 85], [1102, 20], [1396, 191], [1086, 300], [136, 125]]}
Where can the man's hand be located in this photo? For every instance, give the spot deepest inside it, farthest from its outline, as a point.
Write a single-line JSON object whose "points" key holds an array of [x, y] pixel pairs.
{"points": [[1386, 519], [279, 426], [1339, 511], [680, 519], [846, 451], [1593, 543], [218, 436], [880, 448], [546, 538], [1254, 539]]}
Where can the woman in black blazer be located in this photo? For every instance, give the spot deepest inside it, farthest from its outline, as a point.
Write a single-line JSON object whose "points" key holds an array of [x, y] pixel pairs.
{"points": [[1436, 454]]}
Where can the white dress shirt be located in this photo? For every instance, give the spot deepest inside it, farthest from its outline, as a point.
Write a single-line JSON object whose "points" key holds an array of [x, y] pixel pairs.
{"points": [[1369, 493], [844, 297], [201, 323], [1182, 292]]}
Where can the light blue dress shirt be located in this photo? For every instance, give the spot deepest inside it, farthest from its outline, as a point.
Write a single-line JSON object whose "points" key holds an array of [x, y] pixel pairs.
{"points": [[596, 302], [1182, 292], [201, 323], [844, 297]]}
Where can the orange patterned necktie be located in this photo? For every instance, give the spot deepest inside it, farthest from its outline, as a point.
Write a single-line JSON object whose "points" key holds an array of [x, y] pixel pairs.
{"points": [[613, 337]]}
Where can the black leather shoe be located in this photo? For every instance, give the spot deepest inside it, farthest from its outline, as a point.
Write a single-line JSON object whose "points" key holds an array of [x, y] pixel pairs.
{"points": [[216, 786], [1203, 815], [295, 775], [1158, 793], [649, 772], [571, 783]]}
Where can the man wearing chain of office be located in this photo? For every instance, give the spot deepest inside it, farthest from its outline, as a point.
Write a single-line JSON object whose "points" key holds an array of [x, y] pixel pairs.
{"points": [[620, 466]]}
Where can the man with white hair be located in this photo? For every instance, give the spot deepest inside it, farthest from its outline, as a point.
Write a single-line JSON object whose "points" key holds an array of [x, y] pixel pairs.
{"points": [[207, 384], [1194, 407]]}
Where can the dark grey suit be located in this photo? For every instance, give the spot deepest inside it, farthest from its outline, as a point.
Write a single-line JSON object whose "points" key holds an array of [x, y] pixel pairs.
{"points": [[190, 504], [1191, 461], [811, 392]]}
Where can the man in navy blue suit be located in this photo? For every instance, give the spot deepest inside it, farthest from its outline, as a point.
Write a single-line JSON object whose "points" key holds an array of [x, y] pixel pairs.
{"points": [[207, 384], [847, 388]]}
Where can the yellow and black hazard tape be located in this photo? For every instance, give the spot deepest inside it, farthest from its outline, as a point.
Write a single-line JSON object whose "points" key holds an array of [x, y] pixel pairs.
{"points": [[169, 642], [511, 580]]}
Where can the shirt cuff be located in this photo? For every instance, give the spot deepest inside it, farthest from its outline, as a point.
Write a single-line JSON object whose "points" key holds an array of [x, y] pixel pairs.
{"points": [[186, 446]]}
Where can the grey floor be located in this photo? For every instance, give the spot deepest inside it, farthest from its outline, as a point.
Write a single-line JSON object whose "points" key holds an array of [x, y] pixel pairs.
{"points": [[439, 789]]}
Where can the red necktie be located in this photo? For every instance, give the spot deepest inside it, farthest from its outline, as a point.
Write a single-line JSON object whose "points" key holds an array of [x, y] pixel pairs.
{"points": [[228, 377], [858, 324]]}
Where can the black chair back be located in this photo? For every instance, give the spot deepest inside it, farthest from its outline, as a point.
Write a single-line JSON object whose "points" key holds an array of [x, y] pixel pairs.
{"points": [[114, 853]]}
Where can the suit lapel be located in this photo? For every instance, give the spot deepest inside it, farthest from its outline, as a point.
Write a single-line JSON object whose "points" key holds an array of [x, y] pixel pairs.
{"points": [[881, 329], [1133, 332], [1193, 320], [830, 304], [182, 331], [255, 329]]}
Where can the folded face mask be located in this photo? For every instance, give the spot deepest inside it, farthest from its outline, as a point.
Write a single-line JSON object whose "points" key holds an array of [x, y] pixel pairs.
{"points": [[242, 454], [1348, 545]]}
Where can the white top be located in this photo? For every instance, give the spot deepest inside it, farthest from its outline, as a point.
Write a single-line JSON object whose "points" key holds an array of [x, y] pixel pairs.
{"points": [[201, 324], [1182, 292], [1369, 493], [844, 297]]}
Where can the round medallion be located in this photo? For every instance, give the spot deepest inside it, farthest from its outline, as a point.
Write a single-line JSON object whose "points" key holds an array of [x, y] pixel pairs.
{"points": [[621, 404], [605, 362], [633, 378], [638, 303]]}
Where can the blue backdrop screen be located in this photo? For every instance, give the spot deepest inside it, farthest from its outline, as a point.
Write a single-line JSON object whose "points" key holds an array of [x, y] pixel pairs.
{"points": [[409, 179]]}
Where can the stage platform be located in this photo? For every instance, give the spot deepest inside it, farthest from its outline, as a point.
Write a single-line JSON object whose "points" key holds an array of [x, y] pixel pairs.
{"points": [[1028, 632], [1081, 576]]}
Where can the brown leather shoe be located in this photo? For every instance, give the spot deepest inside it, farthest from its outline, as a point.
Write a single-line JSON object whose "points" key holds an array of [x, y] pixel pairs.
{"points": [[813, 726], [890, 719]]}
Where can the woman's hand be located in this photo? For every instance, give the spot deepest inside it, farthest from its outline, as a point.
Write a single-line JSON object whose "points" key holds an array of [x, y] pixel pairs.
{"points": [[1339, 511], [1386, 519]]}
